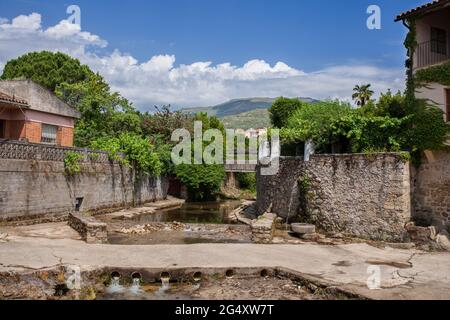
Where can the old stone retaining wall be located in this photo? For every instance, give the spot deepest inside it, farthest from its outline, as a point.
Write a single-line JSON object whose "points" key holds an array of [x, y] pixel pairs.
{"points": [[366, 196], [431, 190], [35, 189]]}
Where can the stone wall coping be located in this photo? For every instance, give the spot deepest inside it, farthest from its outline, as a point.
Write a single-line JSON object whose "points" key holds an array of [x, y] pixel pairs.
{"points": [[344, 155], [37, 151]]}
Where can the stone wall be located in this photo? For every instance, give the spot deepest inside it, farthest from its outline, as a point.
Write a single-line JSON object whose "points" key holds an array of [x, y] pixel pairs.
{"points": [[367, 196], [279, 193], [90, 229], [431, 190], [35, 189]]}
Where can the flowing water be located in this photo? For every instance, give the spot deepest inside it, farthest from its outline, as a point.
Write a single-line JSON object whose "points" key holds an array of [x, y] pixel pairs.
{"points": [[198, 222], [266, 288], [194, 212]]}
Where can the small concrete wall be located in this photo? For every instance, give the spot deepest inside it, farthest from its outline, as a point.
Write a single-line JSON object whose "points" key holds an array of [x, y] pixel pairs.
{"points": [[367, 196], [34, 189], [431, 190]]}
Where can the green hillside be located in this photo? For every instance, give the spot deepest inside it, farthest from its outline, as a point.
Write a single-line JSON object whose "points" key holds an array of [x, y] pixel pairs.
{"points": [[258, 118], [242, 113]]}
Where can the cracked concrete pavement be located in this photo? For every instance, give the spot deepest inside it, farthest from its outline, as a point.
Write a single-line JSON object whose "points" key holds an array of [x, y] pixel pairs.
{"points": [[405, 274]]}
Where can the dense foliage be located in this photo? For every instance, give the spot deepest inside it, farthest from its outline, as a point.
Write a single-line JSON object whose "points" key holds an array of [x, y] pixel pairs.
{"points": [[71, 163], [203, 181], [46, 68], [282, 109], [103, 113], [246, 180], [314, 121], [389, 124], [164, 121], [434, 74], [137, 151]]}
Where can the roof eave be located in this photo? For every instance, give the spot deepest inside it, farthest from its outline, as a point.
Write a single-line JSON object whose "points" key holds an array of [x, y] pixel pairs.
{"points": [[24, 105], [422, 11]]}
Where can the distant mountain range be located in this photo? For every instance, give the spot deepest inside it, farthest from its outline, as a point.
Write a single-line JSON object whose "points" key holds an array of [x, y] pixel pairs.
{"points": [[243, 113]]}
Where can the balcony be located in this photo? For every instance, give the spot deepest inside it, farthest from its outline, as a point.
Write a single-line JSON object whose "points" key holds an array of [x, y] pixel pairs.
{"points": [[431, 52]]}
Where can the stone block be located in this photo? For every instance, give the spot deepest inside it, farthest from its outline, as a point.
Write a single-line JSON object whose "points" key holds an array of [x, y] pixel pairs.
{"points": [[89, 228], [263, 228]]}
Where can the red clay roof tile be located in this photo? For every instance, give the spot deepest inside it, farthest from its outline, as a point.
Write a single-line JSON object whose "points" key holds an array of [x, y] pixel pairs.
{"points": [[422, 9], [7, 98]]}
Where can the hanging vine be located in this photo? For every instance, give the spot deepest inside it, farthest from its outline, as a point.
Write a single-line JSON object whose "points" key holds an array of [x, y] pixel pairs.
{"points": [[411, 45]]}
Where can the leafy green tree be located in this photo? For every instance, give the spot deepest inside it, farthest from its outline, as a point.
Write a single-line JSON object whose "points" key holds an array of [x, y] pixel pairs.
{"points": [[164, 121], [46, 68], [103, 114], [202, 181], [426, 128], [362, 94], [282, 109], [390, 105]]}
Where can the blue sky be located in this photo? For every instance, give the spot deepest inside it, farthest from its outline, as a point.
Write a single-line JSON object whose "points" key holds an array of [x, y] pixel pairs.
{"points": [[307, 36]]}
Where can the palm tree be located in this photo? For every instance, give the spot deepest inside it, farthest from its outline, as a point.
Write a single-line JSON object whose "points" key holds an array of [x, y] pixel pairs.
{"points": [[362, 94]]}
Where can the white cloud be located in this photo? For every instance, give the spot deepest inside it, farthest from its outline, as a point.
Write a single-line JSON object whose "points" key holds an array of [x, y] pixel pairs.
{"points": [[160, 81], [25, 33]]}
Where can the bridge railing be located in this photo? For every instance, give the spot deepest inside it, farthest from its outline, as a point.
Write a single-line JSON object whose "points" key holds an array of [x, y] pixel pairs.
{"points": [[247, 167]]}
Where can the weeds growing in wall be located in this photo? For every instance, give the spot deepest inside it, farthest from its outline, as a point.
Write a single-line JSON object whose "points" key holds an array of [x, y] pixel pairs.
{"points": [[72, 163]]}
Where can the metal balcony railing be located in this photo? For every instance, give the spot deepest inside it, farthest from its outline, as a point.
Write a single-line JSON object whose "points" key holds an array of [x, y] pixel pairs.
{"points": [[432, 52]]}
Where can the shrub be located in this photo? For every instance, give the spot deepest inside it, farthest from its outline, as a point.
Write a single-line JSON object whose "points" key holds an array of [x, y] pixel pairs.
{"points": [[71, 163], [138, 152], [282, 109], [246, 180], [202, 181], [314, 121]]}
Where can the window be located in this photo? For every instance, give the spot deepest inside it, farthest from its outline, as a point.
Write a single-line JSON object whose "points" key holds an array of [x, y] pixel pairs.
{"points": [[49, 134], [2, 129], [438, 41]]}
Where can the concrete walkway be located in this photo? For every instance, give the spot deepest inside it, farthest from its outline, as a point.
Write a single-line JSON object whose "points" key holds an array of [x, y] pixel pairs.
{"points": [[405, 274]]}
